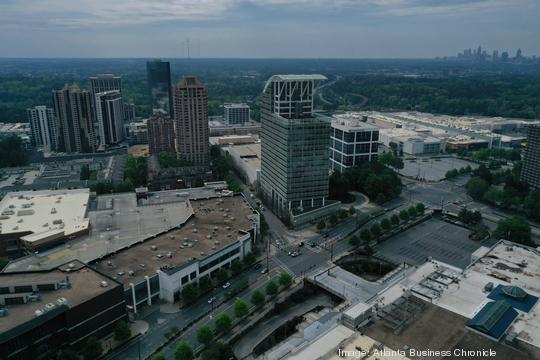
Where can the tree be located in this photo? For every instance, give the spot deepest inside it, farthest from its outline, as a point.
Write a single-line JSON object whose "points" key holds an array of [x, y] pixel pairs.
{"points": [[190, 293], [354, 240], [412, 211], [352, 210], [420, 208], [321, 225], [271, 288], [236, 267], [285, 279], [217, 351], [67, 354], [222, 275], [385, 224], [404, 215], [85, 172], [122, 332], [375, 230], [183, 351], [333, 219], [240, 308], [365, 235], [515, 229], [205, 335], [159, 357], [477, 187], [394, 219], [205, 283], [343, 214], [223, 324], [92, 348], [257, 298]]}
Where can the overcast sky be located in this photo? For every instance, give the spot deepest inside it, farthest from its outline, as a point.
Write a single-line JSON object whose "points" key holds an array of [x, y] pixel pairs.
{"points": [[265, 28]]}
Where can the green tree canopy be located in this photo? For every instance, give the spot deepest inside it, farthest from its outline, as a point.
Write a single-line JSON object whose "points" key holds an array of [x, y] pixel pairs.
{"points": [[223, 324], [285, 279], [257, 298], [183, 351], [271, 288], [240, 308], [205, 335]]}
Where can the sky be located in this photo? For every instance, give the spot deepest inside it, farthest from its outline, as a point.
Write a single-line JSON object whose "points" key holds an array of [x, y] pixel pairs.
{"points": [[266, 28]]}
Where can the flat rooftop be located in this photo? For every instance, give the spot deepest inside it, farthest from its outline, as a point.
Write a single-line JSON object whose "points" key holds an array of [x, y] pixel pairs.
{"points": [[215, 224], [85, 284], [44, 211]]}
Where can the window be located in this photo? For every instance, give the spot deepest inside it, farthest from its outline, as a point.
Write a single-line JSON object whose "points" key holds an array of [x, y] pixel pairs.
{"points": [[185, 279], [193, 275]]}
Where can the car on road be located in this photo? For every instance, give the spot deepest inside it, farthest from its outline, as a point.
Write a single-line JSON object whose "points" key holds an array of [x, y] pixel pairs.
{"points": [[226, 285], [264, 271], [257, 266], [212, 299]]}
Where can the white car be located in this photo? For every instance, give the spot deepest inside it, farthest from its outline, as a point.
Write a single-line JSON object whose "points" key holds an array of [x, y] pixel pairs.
{"points": [[264, 271], [226, 285], [211, 300]]}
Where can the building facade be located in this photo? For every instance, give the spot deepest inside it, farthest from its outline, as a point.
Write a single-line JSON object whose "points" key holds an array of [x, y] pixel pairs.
{"points": [[110, 117], [531, 161], [73, 109], [352, 143], [191, 121], [137, 132], [105, 82], [158, 75], [294, 146], [43, 125], [236, 113], [160, 133]]}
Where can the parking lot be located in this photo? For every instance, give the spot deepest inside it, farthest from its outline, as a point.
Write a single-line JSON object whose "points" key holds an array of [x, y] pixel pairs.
{"points": [[440, 240], [432, 169]]}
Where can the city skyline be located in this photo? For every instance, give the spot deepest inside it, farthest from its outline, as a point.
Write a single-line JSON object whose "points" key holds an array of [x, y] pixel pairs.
{"points": [[265, 28]]}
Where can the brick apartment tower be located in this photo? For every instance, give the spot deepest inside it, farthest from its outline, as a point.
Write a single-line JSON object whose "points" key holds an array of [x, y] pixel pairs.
{"points": [[160, 133], [191, 121]]}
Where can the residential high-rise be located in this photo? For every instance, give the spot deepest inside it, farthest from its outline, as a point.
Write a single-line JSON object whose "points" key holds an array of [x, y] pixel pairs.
{"points": [[73, 109], [236, 113], [191, 121], [294, 146], [159, 86], [530, 172], [109, 117], [105, 82], [43, 125], [160, 133], [353, 141]]}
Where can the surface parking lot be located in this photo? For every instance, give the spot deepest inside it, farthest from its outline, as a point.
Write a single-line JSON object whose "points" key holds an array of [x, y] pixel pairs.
{"points": [[432, 169], [440, 240]]}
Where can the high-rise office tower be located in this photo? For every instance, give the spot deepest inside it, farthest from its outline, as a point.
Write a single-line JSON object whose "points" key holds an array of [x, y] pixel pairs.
{"points": [[109, 117], [530, 172], [295, 146], [191, 121], [105, 82], [158, 75], [160, 133], [43, 125], [73, 109]]}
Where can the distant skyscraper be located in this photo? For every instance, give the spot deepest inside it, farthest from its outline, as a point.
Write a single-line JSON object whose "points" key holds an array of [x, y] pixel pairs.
{"points": [[519, 54], [105, 82], [73, 109], [129, 112], [236, 113], [159, 86], [109, 117], [295, 146], [530, 172], [43, 125], [191, 121], [160, 133]]}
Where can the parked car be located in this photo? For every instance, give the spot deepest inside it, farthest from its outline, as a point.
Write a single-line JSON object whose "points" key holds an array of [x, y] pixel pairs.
{"points": [[211, 300], [264, 271], [226, 285]]}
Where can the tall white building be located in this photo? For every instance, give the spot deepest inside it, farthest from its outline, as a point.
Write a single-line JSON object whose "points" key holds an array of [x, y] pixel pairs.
{"points": [[43, 125], [236, 113], [353, 141], [109, 117]]}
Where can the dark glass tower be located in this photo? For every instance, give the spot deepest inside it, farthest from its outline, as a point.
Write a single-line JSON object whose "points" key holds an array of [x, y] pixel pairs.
{"points": [[158, 74]]}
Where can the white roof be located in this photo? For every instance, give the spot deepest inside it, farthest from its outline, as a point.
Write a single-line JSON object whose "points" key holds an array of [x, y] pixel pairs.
{"points": [[44, 211], [294, 77]]}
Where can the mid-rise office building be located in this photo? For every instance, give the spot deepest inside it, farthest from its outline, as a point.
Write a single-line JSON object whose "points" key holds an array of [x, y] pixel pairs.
{"points": [[191, 121], [160, 133], [42, 312], [353, 142], [43, 125], [129, 112], [109, 117], [295, 146], [159, 86], [531, 161], [137, 132], [236, 113], [73, 109]]}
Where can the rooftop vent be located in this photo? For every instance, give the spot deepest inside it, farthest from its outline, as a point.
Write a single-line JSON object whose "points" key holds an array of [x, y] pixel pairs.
{"points": [[62, 301], [103, 284], [38, 313], [49, 306]]}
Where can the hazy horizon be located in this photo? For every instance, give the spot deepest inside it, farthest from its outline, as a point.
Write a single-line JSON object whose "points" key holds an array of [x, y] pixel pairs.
{"points": [[265, 29]]}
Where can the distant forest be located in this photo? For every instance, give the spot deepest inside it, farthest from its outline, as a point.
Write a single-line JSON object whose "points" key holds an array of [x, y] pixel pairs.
{"points": [[424, 85]]}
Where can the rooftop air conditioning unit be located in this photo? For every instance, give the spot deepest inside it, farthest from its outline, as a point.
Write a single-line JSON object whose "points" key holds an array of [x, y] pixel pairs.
{"points": [[49, 306], [103, 284], [62, 301]]}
